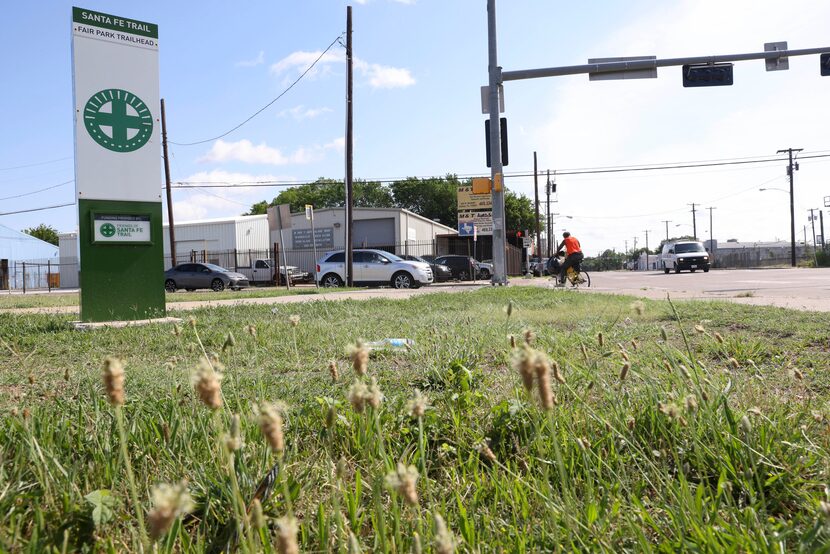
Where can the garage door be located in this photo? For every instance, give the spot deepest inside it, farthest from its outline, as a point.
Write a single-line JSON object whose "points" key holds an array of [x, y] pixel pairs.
{"points": [[374, 232]]}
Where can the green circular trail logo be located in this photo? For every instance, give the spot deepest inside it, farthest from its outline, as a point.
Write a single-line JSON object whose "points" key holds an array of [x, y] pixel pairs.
{"points": [[107, 229], [118, 120]]}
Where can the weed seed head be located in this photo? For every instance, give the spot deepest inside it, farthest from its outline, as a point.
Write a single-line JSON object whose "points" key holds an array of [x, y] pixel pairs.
{"points": [[251, 330], [746, 425], [718, 337], [114, 380], [584, 351], [403, 481], [795, 372], [444, 540], [512, 341], [287, 536], [734, 363], [545, 391], [27, 413], [177, 330], [691, 403], [635, 345], [375, 397], [359, 355], [529, 336], [509, 309], [333, 371], [638, 307], [13, 411], [417, 405], [207, 383], [331, 416], [31, 379], [630, 423], [233, 441], [191, 322], [294, 320], [624, 371], [230, 342], [524, 361], [700, 329], [600, 340], [257, 516], [66, 374], [557, 373], [357, 396], [270, 422], [685, 371], [485, 450], [169, 502], [664, 334]]}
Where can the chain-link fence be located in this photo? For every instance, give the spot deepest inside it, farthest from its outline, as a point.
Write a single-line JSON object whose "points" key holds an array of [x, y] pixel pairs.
{"points": [[31, 275]]}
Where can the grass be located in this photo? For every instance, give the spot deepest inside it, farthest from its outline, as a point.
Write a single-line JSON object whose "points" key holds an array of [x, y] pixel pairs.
{"points": [[60, 299], [714, 439]]}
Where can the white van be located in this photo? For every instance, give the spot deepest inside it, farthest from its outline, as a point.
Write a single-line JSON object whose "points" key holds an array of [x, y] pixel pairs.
{"points": [[684, 254]]}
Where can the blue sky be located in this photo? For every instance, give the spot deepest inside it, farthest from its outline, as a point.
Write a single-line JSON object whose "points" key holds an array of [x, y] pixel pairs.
{"points": [[419, 67]]}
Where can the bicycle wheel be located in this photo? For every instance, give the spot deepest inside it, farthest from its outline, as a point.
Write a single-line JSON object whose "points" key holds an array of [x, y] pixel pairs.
{"points": [[581, 279], [584, 275]]}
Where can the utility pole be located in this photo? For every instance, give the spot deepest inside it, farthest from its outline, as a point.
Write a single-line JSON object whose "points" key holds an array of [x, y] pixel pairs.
{"points": [[792, 199], [694, 220], [349, 151], [667, 228], [712, 246], [170, 228], [536, 193], [821, 226], [647, 254], [550, 238]]}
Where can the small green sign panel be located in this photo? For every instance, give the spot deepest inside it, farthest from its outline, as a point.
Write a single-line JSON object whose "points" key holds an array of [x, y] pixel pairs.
{"points": [[118, 120], [121, 228]]}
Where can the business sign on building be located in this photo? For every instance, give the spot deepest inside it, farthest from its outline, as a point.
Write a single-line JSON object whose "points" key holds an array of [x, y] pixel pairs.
{"points": [[301, 238], [474, 209], [117, 165]]}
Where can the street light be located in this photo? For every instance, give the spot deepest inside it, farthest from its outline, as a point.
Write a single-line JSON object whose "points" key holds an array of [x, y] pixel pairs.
{"points": [[774, 188]]}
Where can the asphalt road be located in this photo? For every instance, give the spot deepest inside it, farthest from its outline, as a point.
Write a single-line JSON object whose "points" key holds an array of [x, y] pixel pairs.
{"points": [[796, 288]]}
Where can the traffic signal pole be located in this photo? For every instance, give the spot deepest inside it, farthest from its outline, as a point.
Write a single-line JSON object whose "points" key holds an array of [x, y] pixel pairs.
{"points": [[628, 68], [499, 225]]}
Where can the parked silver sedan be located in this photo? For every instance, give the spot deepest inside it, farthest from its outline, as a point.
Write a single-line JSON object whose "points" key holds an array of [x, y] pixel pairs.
{"points": [[192, 276]]}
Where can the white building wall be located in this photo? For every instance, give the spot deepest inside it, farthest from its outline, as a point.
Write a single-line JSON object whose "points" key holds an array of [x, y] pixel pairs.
{"points": [[68, 252]]}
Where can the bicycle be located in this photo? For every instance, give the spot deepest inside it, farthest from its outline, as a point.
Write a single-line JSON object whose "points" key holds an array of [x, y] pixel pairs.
{"points": [[576, 276]]}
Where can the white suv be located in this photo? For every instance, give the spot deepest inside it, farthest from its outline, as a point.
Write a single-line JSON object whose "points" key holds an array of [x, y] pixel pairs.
{"points": [[373, 267], [684, 254]]}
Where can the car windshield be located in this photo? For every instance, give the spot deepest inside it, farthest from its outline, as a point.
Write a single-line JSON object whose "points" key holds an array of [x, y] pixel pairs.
{"points": [[391, 257], [417, 259], [214, 267], [689, 247]]}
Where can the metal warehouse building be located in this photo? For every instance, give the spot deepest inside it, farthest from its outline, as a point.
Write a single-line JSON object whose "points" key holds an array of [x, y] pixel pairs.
{"points": [[17, 248], [212, 239]]}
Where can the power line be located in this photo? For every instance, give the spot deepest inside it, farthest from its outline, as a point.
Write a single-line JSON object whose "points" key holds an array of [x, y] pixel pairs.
{"points": [[37, 191], [266, 106], [38, 209], [35, 164]]}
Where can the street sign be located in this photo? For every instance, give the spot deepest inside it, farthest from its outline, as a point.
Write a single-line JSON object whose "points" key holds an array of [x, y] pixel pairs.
{"points": [[485, 99], [465, 229], [776, 64], [647, 73], [827, 201], [527, 242], [474, 209], [309, 211], [707, 75], [115, 76]]}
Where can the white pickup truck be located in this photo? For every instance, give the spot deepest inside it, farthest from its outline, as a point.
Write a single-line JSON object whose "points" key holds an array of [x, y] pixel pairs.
{"points": [[262, 272]]}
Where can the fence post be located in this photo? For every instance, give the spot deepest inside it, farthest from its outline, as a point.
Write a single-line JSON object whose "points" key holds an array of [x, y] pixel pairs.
{"points": [[277, 262], [49, 275], [24, 277], [235, 260]]}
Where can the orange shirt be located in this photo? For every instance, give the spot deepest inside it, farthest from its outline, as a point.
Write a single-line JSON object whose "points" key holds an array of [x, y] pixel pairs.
{"points": [[572, 245]]}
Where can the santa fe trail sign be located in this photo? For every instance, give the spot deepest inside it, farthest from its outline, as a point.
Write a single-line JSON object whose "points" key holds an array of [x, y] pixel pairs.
{"points": [[117, 166]]}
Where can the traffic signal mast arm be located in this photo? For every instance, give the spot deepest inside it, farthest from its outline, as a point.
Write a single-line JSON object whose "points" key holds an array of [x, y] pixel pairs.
{"points": [[633, 65]]}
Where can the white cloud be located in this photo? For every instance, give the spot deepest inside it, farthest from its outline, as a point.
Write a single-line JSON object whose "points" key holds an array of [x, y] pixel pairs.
{"points": [[301, 112], [259, 60], [378, 76], [202, 203], [246, 152]]}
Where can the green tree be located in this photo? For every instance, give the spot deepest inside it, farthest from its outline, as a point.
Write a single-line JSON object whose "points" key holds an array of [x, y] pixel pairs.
{"points": [[519, 213], [609, 260], [328, 193], [432, 198], [44, 232]]}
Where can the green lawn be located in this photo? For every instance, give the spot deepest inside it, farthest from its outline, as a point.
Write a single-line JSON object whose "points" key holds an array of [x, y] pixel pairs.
{"points": [[714, 438], [57, 299]]}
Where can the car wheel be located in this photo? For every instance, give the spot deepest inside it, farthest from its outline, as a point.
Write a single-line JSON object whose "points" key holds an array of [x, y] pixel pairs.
{"points": [[462, 276], [692, 270], [706, 270], [217, 285], [665, 270], [403, 280], [170, 285], [677, 269], [485, 274], [331, 280]]}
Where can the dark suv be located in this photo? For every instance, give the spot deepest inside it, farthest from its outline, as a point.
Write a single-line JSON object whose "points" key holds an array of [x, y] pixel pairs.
{"points": [[463, 268]]}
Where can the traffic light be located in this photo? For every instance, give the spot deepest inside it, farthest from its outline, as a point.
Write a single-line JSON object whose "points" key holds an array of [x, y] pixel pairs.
{"points": [[503, 127], [707, 75], [825, 64], [518, 234]]}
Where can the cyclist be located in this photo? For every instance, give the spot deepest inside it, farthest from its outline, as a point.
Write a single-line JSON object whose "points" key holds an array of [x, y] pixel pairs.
{"points": [[574, 256]]}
